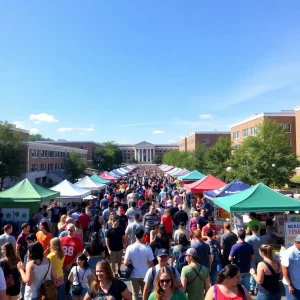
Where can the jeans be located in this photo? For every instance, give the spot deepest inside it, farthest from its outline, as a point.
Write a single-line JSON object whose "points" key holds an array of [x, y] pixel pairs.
{"points": [[289, 296], [268, 296], [61, 294], [213, 274], [245, 280], [92, 262], [254, 264]]}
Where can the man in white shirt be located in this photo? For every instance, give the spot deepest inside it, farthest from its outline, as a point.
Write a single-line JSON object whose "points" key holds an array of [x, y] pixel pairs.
{"points": [[140, 256], [6, 237], [132, 211], [290, 262], [131, 230]]}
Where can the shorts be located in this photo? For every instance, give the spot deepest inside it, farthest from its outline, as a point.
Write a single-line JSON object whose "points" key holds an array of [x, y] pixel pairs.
{"points": [[147, 238], [116, 256], [83, 292], [13, 290]]}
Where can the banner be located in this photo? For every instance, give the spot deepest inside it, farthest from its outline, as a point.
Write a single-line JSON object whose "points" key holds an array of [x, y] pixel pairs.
{"points": [[291, 230], [238, 221], [16, 214]]}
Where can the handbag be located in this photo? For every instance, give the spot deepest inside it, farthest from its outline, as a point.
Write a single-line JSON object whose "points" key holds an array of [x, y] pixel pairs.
{"points": [[47, 290], [128, 271], [9, 279], [77, 288]]}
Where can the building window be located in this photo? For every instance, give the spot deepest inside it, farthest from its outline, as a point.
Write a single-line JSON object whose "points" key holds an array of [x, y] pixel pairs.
{"points": [[245, 132], [34, 153], [236, 135], [205, 141], [254, 130], [51, 154], [34, 167], [81, 147], [287, 127]]}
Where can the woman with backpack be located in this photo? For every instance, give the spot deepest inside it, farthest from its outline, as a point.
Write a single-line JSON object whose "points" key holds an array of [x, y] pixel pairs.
{"points": [[12, 277], [194, 277], [38, 270], [228, 286], [80, 276], [183, 245]]}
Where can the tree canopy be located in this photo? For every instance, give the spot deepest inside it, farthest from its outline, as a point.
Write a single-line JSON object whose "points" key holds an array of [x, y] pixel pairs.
{"points": [[74, 165], [38, 137], [108, 156], [11, 152]]}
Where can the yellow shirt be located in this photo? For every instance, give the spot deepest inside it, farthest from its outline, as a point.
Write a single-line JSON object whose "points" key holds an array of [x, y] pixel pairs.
{"points": [[57, 263]]}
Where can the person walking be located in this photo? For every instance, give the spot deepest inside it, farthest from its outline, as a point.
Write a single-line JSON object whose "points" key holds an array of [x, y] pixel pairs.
{"points": [[228, 239], [267, 275], [180, 217], [151, 275], [21, 246], [149, 220], [228, 286], [165, 287], [115, 241], [255, 241], [7, 236], [44, 236], [57, 258], [203, 250], [290, 263], [55, 216], [132, 228], [140, 256], [132, 211], [194, 277], [242, 255]]}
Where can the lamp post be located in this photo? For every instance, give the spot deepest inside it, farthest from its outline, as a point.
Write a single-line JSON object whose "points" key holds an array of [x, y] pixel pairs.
{"points": [[273, 179], [228, 169]]}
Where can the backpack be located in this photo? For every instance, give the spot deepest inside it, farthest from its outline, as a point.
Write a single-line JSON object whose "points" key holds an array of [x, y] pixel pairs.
{"points": [[47, 290], [180, 261], [215, 254]]}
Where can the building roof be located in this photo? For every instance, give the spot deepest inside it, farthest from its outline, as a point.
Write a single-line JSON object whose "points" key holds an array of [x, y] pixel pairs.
{"points": [[282, 113], [41, 146], [208, 132], [68, 142]]}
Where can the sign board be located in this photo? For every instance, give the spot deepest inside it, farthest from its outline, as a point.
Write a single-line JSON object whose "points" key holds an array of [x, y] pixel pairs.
{"points": [[280, 220], [292, 218], [16, 214], [291, 230], [238, 221]]}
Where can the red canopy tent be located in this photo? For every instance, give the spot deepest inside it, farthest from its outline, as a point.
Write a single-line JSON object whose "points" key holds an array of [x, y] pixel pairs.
{"points": [[205, 184], [106, 176]]}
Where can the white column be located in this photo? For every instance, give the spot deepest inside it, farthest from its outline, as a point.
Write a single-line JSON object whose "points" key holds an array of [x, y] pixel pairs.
{"points": [[146, 155]]}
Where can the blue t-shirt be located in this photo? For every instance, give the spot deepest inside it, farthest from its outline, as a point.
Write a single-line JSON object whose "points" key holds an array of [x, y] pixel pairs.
{"points": [[242, 253], [104, 204]]}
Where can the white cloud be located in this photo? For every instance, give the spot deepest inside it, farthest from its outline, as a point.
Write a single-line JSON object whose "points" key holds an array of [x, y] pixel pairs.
{"points": [[158, 132], [33, 130], [19, 124], [77, 129], [42, 118], [205, 117], [65, 129]]}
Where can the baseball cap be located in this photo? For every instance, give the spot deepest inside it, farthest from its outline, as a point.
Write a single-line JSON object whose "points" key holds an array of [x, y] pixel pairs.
{"points": [[162, 252], [192, 252], [297, 239]]}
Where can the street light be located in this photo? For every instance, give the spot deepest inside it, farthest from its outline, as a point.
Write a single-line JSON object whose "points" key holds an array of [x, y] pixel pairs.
{"points": [[273, 179]]}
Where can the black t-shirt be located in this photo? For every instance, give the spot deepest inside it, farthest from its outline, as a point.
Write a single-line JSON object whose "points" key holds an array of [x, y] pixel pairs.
{"points": [[55, 214], [145, 207], [114, 293], [180, 216], [115, 238], [173, 210], [123, 220], [93, 252], [201, 221]]}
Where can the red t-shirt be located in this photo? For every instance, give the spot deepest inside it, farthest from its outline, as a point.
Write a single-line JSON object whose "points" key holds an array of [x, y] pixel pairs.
{"points": [[167, 222], [84, 220], [205, 228], [71, 247]]}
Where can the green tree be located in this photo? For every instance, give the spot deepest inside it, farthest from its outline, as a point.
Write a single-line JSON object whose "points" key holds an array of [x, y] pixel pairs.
{"points": [[157, 159], [217, 158], [38, 137], [74, 165], [108, 156], [11, 152], [266, 157]]}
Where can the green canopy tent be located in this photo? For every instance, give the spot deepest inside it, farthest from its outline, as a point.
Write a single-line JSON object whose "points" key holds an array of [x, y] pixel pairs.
{"points": [[26, 194], [258, 198], [98, 179], [193, 176]]}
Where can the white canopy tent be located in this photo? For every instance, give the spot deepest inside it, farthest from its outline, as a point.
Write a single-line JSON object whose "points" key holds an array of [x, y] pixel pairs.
{"points": [[69, 191], [88, 184]]}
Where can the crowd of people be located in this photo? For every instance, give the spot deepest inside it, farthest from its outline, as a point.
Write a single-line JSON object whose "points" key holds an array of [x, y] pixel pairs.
{"points": [[164, 236]]}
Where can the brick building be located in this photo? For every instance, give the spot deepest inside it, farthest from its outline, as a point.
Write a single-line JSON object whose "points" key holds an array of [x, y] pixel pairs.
{"points": [[247, 127], [85, 145], [208, 139]]}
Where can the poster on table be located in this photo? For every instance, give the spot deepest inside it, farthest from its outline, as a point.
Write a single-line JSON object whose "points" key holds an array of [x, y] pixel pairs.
{"points": [[291, 230], [280, 220], [238, 221], [16, 214]]}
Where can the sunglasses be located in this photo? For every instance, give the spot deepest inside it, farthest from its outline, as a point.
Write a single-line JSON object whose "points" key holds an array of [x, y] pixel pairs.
{"points": [[163, 256], [164, 280]]}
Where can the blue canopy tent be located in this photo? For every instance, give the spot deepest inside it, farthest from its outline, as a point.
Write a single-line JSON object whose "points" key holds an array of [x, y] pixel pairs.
{"points": [[231, 188], [117, 173]]}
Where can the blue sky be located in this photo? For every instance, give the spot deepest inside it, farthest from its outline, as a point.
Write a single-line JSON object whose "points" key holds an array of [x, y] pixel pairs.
{"points": [[139, 70]]}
